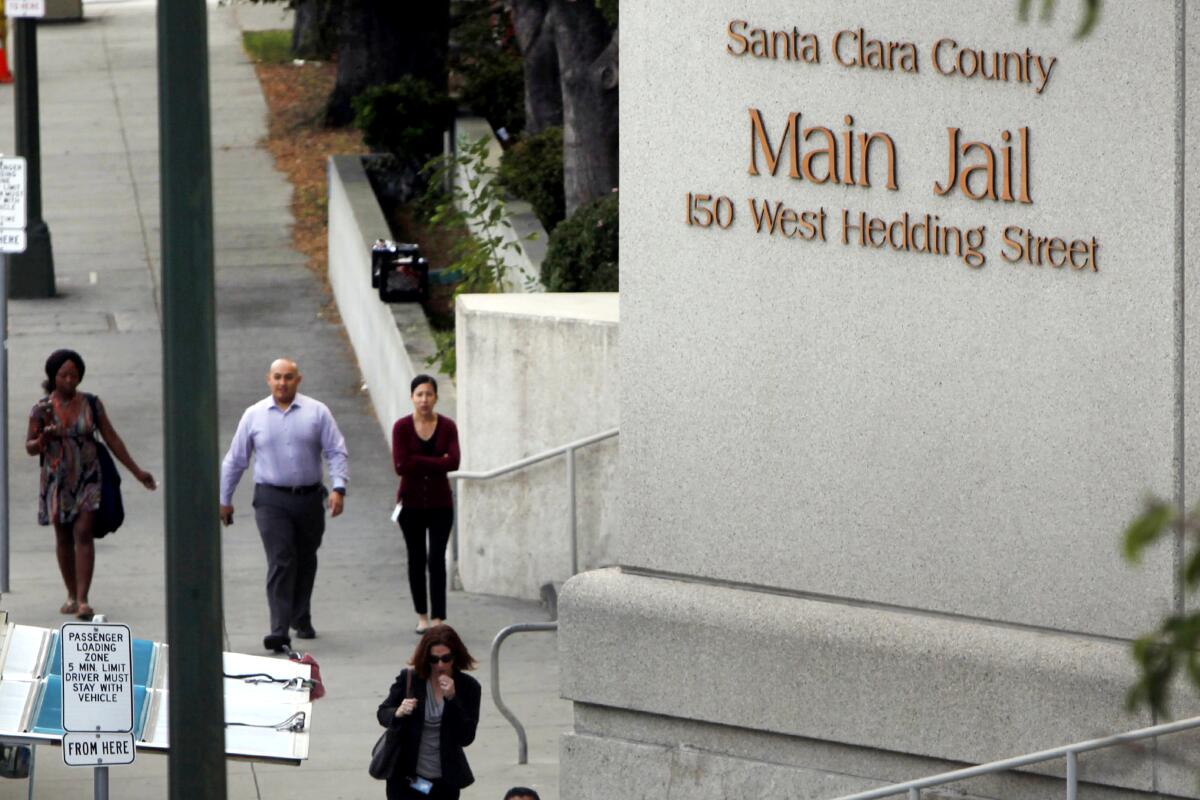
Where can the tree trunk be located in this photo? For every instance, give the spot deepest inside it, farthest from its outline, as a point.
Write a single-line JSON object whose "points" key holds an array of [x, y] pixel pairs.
{"points": [[379, 41], [588, 62], [314, 29], [534, 23]]}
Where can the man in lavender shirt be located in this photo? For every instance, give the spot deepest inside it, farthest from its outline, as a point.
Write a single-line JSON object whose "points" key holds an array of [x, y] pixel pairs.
{"points": [[287, 433]]}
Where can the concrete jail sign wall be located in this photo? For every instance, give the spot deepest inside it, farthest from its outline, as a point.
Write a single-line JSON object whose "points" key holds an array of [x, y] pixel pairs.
{"points": [[906, 292], [911, 269]]}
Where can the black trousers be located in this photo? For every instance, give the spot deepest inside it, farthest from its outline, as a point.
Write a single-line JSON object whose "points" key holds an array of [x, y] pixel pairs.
{"points": [[291, 527], [415, 522], [398, 789]]}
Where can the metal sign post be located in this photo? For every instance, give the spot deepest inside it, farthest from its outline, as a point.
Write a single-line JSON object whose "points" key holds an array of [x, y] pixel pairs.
{"points": [[32, 273], [5, 264], [97, 698]]}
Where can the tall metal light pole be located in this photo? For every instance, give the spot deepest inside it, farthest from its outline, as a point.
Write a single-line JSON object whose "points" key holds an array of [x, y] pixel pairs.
{"points": [[194, 614], [32, 272]]}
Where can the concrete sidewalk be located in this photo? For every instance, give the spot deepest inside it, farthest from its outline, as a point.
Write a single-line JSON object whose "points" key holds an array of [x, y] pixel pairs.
{"points": [[98, 84]]}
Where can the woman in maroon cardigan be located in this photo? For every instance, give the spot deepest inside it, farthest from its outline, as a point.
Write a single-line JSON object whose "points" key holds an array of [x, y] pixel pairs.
{"points": [[424, 449]]}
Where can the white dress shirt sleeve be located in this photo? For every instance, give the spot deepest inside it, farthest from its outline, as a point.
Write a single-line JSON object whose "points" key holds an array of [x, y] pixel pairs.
{"points": [[237, 459]]}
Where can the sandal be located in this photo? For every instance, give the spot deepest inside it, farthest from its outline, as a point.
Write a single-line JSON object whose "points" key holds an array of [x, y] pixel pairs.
{"points": [[85, 612], [69, 607]]}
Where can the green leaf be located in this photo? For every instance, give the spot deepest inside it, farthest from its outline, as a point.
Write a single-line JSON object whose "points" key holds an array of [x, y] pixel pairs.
{"points": [[1193, 668], [1191, 571], [1091, 16], [1156, 661], [1147, 528]]}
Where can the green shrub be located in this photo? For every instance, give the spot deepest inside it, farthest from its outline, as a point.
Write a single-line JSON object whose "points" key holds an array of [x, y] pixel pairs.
{"points": [[582, 253], [268, 47], [479, 256], [494, 88], [609, 9], [488, 64], [405, 118], [445, 357], [532, 169], [477, 204]]}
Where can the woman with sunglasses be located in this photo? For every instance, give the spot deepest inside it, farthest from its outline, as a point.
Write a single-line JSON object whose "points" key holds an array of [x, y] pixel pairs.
{"points": [[434, 705]]}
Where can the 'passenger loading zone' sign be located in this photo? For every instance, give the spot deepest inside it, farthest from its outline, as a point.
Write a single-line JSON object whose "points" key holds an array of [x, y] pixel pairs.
{"points": [[13, 191], [97, 693]]}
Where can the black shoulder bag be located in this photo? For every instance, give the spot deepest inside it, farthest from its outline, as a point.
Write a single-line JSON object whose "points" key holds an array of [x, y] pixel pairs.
{"points": [[112, 508], [387, 748]]}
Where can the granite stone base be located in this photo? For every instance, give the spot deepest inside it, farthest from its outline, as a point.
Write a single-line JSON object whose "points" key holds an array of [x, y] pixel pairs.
{"points": [[700, 687]]}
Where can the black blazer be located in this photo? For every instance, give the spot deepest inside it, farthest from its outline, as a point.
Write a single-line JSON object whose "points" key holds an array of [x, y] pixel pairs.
{"points": [[460, 716]]}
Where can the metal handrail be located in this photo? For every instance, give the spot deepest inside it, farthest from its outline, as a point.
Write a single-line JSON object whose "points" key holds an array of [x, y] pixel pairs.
{"points": [[568, 450], [530, 460], [520, 627], [1070, 752]]}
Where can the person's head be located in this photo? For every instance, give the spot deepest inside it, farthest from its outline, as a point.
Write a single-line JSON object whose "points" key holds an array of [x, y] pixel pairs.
{"points": [[440, 652], [284, 380], [64, 371], [521, 793], [424, 394]]}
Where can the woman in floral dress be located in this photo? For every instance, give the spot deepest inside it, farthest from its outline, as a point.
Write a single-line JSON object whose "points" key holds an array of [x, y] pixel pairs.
{"points": [[62, 432]]}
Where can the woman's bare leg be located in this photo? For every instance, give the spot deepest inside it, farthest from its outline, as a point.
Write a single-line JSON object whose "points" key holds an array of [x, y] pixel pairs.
{"points": [[85, 558], [64, 550]]}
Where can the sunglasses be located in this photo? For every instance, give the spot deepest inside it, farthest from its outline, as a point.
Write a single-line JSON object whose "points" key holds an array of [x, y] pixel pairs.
{"points": [[446, 659]]}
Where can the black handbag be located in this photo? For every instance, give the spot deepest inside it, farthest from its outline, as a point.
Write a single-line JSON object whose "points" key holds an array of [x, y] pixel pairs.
{"points": [[112, 507], [387, 747]]}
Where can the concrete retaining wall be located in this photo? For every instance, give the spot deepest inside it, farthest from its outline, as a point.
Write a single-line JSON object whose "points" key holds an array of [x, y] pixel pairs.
{"points": [[391, 341], [535, 372]]}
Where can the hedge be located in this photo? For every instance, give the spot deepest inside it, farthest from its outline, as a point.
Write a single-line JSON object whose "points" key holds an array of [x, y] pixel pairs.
{"points": [[582, 253]]}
